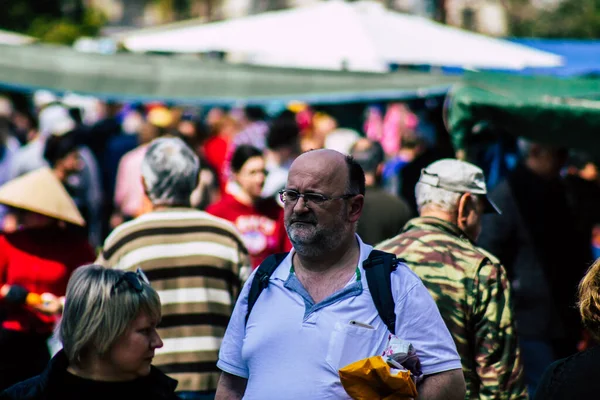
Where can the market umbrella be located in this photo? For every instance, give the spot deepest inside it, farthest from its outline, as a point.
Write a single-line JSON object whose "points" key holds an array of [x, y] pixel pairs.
{"points": [[12, 38], [358, 36]]}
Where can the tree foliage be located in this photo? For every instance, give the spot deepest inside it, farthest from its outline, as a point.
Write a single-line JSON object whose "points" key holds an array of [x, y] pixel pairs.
{"points": [[49, 21], [576, 19]]}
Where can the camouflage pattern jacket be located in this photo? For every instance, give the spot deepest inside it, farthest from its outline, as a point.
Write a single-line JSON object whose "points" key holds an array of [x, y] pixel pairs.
{"points": [[472, 292]]}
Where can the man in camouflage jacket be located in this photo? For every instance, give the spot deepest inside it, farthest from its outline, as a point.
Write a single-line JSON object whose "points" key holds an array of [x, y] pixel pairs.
{"points": [[469, 285]]}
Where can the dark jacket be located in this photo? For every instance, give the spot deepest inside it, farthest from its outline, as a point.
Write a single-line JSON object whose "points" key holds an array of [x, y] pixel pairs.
{"points": [[383, 216], [49, 385], [575, 377], [544, 251]]}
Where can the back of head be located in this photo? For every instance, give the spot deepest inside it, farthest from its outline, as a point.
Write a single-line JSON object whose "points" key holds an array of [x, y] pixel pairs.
{"points": [[356, 177], [368, 154], [589, 299], [242, 154], [283, 133], [431, 197], [170, 170], [543, 159], [99, 306], [59, 146], [254, 113], [443, 182]]}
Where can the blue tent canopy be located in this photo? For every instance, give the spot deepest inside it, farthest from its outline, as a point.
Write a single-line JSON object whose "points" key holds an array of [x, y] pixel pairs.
{"points": [[582, 56]]}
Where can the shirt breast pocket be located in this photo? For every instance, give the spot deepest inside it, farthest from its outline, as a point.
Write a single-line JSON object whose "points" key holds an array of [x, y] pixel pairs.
{"points": [[352, 342]]}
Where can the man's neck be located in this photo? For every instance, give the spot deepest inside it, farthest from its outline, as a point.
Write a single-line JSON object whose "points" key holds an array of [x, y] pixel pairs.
{"points": [[159, 207], [439, 214], [325, 276]]}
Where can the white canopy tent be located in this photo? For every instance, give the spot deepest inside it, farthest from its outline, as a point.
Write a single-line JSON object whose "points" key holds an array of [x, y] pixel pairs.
{"points": [[359, 36], [15, 39]]}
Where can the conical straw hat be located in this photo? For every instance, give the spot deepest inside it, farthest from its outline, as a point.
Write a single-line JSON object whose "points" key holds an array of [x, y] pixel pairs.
{"points": [[40, 191]]}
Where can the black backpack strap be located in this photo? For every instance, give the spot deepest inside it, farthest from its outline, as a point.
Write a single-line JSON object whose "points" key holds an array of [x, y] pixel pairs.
{"points": [[261, 278], [378, 268]]}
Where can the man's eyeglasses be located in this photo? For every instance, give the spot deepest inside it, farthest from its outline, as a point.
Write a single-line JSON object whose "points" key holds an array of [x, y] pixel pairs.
{"points": [[135, 280], [289, 196]]}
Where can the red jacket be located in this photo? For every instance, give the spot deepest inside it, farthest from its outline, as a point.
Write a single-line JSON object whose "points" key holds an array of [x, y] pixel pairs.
{"points": [[40, 260], [261, 226]]}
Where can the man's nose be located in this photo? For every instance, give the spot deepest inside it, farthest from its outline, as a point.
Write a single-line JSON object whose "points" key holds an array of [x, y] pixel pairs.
{"points": [[301, 206]]}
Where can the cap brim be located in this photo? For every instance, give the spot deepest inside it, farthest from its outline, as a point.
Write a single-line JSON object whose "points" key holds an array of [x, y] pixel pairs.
{"points": [[490, 207]]}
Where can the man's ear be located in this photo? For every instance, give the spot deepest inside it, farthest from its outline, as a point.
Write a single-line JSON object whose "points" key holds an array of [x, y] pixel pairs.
{"points": [[466, 206], [355, 209]]}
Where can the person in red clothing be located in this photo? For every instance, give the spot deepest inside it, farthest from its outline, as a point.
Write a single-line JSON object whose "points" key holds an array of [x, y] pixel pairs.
{"points": [[218, 146], [260, 221], [36, 262]]}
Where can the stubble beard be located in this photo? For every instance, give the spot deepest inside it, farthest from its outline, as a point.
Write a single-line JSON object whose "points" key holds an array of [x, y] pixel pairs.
{"points": [[318, 243]]}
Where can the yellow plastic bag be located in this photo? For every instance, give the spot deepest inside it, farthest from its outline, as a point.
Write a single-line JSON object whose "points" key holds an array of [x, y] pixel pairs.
{"points": [[372, 379]]}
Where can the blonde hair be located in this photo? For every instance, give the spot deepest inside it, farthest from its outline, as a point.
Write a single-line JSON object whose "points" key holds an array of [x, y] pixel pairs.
{"points": [[96, 315], [589, 299]]}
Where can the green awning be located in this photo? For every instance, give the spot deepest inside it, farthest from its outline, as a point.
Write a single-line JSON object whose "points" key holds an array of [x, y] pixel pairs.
{"points": [[563, 112], [188, 80]]}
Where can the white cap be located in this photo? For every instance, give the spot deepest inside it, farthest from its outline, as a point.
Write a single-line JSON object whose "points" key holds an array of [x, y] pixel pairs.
{"points": [[55, 120], [42, 98], [341, 140], [457, 176], [87, 104], [6, 107]]}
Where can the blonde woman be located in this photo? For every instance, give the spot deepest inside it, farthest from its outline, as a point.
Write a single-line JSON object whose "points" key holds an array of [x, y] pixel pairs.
{"points": [[109, 338], [578, 376]]}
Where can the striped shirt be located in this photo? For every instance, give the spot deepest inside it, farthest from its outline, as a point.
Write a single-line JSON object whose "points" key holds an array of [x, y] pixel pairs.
{"points": [[194, 261]]}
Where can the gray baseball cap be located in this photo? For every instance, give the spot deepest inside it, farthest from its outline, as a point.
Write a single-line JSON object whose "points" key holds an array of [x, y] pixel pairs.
{"points": [[460, 177]]}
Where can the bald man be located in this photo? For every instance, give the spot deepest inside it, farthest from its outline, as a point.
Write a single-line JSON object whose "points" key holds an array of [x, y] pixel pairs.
{"points": [[314, 318]]}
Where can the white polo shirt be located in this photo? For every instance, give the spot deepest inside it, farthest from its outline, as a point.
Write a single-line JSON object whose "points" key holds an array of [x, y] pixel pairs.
{"points": [[292, 348]]}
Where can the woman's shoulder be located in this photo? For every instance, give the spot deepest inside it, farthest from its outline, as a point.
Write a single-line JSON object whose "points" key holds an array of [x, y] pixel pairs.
{"points": [[571, 377], [31, 389], [162, 386]]}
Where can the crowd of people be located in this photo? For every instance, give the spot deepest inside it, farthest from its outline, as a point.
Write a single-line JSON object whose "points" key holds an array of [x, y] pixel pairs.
{"points": [[136, 232]]}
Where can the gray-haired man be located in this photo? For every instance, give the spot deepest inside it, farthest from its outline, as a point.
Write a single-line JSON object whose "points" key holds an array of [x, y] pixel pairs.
{"points": [[468, 284], [194, 261]]}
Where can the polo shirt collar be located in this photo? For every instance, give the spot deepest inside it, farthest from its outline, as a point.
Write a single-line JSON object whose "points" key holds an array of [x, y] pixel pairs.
{"points": [[283, 270]]}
